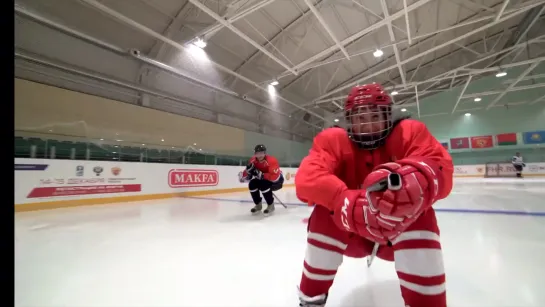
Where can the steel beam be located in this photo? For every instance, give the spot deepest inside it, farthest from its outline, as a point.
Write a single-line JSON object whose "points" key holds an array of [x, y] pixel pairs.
{"points": [[407, 22], [327, 29], [422, 36], [512, 85], [179, 46], [278, 34], [461, 94], [542, 98], [513, 89], [417, 100], [212, 30], [393, 39], [502, 9], [447, 76], [461, 37], [361, 33], [245, 37]]}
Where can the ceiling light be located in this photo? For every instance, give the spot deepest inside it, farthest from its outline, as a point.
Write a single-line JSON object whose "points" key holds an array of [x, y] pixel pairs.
{"points": [[200, 149], [199, 43], [102, 139], [336, 120], [394, 93], [501, 74], [477, 99], [194, 144], [143, 144], [162, 140], [378, 53], [403, 110], [274, 83], [467, 114]]}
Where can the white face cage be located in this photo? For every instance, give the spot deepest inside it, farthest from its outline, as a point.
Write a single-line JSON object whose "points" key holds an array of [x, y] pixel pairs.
{"points": [[369, 125]]}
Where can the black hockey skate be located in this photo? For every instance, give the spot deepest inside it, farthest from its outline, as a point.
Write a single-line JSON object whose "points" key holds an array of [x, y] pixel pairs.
{"points": [[270, 209], [317, 301], [257, 208]]}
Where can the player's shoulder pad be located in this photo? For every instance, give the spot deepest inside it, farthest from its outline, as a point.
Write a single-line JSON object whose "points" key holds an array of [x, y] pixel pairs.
{"points": [[271, 158], [412, 124], [331, 133]]}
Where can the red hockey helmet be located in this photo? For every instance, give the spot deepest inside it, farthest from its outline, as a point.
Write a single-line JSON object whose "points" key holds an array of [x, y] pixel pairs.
{"points": [[368, 112]]}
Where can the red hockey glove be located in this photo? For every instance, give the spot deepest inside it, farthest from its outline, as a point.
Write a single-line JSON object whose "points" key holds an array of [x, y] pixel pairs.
{"points": [[400, 208], [355, 215]]}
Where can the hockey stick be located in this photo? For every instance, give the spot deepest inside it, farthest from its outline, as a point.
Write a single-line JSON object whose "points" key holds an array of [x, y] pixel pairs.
{"points": [[393, 182], [278, 199]]}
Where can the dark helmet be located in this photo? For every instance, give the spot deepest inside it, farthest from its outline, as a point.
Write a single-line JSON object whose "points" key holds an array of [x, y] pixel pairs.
{"points": [[374, 105], [260, 148]]}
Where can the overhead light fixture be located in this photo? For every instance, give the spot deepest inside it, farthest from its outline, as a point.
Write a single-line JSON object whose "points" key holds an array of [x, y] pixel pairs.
{"points": [[477, 99], [378, 53], [501, 74], [274, 83], [162, 140], [467, 114], [102, 139], [403, 110], [143, 144], [199, 42], [336, 120], [394, 93], [200, 149]]}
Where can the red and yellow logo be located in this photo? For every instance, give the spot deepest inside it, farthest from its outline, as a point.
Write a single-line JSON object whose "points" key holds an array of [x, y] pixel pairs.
{"points": [[116, 170]]}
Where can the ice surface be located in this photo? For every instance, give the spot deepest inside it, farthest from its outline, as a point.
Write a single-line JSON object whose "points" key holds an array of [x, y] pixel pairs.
{"points": [[210, 251]]}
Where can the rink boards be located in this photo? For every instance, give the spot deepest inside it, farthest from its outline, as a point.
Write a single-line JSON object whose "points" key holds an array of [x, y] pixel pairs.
{"points": [[47, 184]]}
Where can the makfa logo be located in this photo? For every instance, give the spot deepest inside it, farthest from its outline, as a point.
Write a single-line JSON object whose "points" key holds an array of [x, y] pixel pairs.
{"points": [[179, 178]]}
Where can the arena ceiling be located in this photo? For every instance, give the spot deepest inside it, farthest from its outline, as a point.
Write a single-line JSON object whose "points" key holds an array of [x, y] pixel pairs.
{"points": [[144, 52]]}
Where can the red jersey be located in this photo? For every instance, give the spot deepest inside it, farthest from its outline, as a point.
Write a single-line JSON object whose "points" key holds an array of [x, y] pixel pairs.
{"points": [[268, 166], [335, 164]]}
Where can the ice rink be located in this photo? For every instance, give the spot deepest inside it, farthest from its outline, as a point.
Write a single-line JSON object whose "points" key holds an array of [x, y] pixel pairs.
{"points": [[210, 251]]}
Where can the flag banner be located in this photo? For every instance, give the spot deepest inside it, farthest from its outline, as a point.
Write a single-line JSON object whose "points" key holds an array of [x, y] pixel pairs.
{"points": [[445, 145], [485, 141], [459, 143], [534, 137], [506, 139]]}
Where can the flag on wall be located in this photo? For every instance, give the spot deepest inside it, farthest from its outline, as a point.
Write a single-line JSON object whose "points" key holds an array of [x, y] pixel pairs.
{"points": [[459, 143], [445, 145], [534, 137], [478, 142], [505, 139]]}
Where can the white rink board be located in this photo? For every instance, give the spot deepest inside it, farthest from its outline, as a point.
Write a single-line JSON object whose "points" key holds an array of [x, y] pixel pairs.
{"points": [[45, 180], [505, 169], [76, 180]]}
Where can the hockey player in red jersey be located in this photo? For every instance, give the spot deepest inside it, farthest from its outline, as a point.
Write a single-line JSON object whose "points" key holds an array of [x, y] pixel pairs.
{"points": [[339, 176], [264, 176]]}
